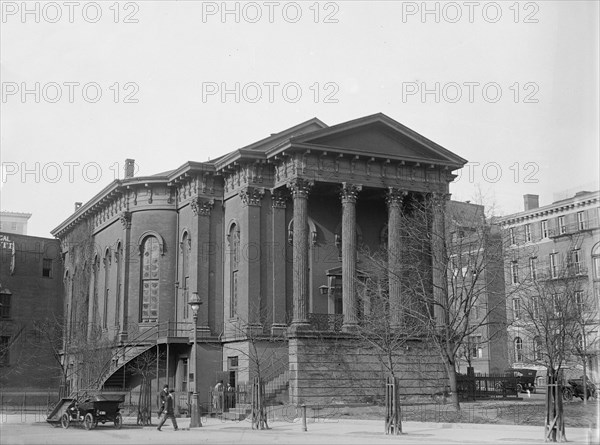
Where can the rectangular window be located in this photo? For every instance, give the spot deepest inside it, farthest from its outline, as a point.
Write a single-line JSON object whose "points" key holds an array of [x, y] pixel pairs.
{"points": [[528, 232], [474, 342], [4, 351], [47, 267], [537, 348], [576, 261], [186, 298], [516, 308], [544, 229], [232, 363], [5, 303], [579, 300], [533, 268], [514, 272], [535, 307], [511, 233], [184, 375], [553, 265], [556, 300], [234, 294], [596, 261], [581, 223], [562, 227]]}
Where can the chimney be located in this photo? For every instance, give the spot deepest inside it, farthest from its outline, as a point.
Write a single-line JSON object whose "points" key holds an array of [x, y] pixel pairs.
{"points": [[78, 205], [129, 168], [531, 202]]}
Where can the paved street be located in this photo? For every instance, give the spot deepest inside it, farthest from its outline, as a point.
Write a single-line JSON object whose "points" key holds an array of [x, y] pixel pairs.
{"points": [[335, 431]]}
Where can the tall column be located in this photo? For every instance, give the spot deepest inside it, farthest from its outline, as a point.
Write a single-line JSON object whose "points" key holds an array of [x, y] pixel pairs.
{"points": [[201, 253], [394, 201], [278, 263], [300, 189], [349, 195], [439, 256], [125, 218]]}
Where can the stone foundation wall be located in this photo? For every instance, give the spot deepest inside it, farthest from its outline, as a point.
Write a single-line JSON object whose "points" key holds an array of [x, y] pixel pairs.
{"points": [[338, 370]]}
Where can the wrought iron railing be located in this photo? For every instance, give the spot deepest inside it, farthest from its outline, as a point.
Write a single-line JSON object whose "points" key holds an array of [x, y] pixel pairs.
{"points": [[175, 329], [326, 322]]}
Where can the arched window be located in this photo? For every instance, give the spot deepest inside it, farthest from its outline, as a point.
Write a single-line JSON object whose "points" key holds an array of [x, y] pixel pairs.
{"points": [[537, 348], [234, 259], [106, 292], [150, 272], [118, 291], [518, 349], [94, 290], [185, 274]]}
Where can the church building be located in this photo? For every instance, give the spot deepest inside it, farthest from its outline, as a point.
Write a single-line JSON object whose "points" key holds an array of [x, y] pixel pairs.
{"points": [[268, 237]]}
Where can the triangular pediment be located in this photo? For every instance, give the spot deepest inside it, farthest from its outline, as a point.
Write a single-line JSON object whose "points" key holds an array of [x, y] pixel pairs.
{"points": [[379, 136]]}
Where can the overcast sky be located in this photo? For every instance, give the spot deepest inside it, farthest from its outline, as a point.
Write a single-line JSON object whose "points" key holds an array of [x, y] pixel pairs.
{"points": [[510, 86]]}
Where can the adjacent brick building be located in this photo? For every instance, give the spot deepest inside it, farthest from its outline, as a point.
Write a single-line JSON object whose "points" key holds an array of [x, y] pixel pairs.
{"points": [[31, 295], [556, 246]]}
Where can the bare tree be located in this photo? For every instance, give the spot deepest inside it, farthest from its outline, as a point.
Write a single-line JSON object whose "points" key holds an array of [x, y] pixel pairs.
{"points": [[452, 277], [144, 366], [262, 352], [378, 330], [587, 323]]}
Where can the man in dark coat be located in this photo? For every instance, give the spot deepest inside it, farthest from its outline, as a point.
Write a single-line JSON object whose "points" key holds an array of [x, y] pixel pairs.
{"points": [[169, 412], [164, 394]]}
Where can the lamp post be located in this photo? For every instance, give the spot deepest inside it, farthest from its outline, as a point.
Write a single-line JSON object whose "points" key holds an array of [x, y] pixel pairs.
{"points": [[195, 421]]}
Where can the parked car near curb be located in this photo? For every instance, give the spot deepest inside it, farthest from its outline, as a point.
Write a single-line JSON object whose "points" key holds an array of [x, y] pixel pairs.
{"points": [[575, 389], [524, 380]]}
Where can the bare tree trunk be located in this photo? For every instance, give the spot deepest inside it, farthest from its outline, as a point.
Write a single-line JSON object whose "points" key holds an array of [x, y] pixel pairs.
{"points": [[451, 373]]}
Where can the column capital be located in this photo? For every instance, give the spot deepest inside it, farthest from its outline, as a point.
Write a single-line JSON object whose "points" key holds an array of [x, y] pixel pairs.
{"points": [[300, 187], [395, 196], [349, 192], [252, 196], [201, 206], [125, 218], [279, 199]]}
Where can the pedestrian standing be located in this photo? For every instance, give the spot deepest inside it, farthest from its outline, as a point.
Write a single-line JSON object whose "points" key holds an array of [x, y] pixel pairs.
{"points": [[169, 412], [218, 397]]}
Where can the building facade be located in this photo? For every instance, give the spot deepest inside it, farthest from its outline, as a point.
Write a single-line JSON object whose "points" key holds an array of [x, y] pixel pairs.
{"points": [[477, 268], [30, 313], [555, 259], [258, 234], [14, 222]]}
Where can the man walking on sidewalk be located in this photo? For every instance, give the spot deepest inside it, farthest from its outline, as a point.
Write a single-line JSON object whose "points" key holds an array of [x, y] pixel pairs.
{"points": [[169, 412]]}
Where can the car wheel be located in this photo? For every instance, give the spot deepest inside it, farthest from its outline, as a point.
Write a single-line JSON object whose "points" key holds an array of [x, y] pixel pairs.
{"points": [[567, 394], [499, 386], [88, 421], [65, 421], [519, 388], [118, 421]]}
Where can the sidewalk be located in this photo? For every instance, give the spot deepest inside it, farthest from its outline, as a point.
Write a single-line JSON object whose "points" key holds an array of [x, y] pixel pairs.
{"points": [[326, 431]]}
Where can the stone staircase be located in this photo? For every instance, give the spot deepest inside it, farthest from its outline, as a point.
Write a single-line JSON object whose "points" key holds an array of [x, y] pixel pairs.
{"points": [[275, 391]]}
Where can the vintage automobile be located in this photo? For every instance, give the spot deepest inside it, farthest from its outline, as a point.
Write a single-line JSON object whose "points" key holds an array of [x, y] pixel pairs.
{"points": [[89, 410], [519, 380], [575, 389]]}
